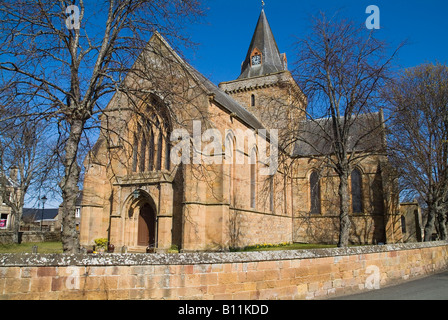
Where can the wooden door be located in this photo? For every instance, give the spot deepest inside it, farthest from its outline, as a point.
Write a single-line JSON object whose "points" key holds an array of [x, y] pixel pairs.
{"points": [[146, 226]]}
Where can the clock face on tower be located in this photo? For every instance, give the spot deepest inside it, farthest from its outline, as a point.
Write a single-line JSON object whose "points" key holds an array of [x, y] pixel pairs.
{"points": [[256, 60]]}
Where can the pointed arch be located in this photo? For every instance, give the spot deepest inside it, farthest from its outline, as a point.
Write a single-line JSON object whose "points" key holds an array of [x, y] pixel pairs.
{"points": [[253, 178], [315, 193], [230, 160], [140, 219], [160, 142], [356, 191], [151, 129], [150, 148], [134, 152]]}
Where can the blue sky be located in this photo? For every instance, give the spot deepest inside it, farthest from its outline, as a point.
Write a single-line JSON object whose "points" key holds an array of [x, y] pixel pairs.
{"points": [[226, 32], [225, 35]]}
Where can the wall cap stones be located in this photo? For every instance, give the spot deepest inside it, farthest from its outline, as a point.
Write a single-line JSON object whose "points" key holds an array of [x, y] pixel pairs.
{"points": [[66, 260]]}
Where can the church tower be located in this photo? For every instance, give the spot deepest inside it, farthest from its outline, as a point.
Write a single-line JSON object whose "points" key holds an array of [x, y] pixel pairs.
{"points": [[265, 87]]}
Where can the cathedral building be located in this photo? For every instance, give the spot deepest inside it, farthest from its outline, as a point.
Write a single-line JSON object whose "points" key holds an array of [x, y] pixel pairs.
{"points": [[156, 179]]}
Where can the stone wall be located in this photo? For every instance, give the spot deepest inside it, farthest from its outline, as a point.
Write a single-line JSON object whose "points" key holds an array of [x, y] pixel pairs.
{"points": [[303, 274], [412, 223], [30, 236]]}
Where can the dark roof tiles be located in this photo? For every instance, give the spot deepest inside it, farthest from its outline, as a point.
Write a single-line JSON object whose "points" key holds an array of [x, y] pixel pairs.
{"points": [[315, 137], [263, 40]]}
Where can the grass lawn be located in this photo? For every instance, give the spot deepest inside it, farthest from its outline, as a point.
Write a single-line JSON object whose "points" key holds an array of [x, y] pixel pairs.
{"points": [[56, 247], [42, 247], [291, 246]]}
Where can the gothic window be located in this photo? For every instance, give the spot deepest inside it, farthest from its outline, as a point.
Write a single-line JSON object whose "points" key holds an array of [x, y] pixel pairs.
{"points": [[315, 193], [135, 153], [167, 152], [253, 180], [356, 191], [143, 153], [230, 160], [159, 151], [403, 224], [150, 146], [252, 100]]}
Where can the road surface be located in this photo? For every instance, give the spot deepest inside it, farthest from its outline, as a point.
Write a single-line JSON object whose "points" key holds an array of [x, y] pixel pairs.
{"points": [[431, 288]]}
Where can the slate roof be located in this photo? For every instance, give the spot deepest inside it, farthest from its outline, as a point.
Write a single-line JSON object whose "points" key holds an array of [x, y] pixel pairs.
{"points": [[315, 136], [228, 103], [263, 40], [49, 214], [222, 98]]}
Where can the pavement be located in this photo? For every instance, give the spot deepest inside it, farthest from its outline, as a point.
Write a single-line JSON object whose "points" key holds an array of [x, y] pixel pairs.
{"points": [[430, 288]]}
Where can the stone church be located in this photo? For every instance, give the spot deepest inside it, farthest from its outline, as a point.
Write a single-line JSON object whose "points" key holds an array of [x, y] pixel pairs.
{"points": [[135, 195]]}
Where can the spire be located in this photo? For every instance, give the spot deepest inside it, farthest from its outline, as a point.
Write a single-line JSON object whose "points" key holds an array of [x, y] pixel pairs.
{"points": [[263, 56]]}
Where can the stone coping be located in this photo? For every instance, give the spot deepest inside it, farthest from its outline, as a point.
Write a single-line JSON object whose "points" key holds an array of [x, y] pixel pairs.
{"points": [[66, 260]]}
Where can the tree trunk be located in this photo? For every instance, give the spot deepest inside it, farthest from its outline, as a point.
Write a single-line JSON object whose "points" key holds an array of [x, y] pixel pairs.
{"points": [[430, 223], [344, 201], [16, 227], [442, 226], [17, 212], [70, 190]]}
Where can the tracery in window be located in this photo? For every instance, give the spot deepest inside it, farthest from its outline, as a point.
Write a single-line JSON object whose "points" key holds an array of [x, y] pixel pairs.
{"points": [[151, 146]]}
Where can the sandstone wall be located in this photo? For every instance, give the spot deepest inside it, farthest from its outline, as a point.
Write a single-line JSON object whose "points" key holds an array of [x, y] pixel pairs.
{"points": [[303, 274]]}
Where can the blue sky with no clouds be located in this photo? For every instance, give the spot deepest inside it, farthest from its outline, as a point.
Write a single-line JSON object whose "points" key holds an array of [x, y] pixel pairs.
{"points": [[225, 35], [226, 32]]}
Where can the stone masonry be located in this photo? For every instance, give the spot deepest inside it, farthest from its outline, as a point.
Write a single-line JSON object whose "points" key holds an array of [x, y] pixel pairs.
{"points": [[275, 275]]}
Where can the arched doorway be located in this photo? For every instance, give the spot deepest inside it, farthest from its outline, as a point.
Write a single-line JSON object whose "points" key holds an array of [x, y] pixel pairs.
{"points": [[147, 226]]}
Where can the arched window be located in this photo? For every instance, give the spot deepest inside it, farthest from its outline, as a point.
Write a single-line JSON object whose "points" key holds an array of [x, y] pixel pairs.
{"points": [[143, 153], [151, 145], [253, 179], [151, 149], [315, 193], [230, 161], [252, 100], [135, 153], [403, 224], [159, 151], [167, 152], [356, 178]]}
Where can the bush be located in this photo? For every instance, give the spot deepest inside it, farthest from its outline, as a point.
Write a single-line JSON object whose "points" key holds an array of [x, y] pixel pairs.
{"points": [[173, 249], [101, 243]]}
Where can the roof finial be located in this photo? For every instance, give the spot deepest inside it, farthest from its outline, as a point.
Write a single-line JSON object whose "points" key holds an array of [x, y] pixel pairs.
{"points": [[262, 4]]}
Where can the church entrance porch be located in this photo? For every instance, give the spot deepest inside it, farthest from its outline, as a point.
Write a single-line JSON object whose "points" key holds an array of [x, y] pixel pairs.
{"points": [[145, 220], [140, 223], [147, 227]]}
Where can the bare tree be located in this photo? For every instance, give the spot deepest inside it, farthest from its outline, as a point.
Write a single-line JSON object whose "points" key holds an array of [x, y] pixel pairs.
{"points": [[71, 56], [418, 138], [25, 158], [341, 68]]}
